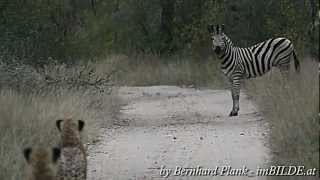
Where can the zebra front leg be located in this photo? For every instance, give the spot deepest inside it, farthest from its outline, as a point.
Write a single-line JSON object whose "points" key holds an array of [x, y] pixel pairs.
{"points": [[235, 107], [235, 92]]}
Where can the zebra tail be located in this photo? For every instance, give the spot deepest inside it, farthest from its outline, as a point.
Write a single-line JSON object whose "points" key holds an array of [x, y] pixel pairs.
{"points": [[296, 62]]}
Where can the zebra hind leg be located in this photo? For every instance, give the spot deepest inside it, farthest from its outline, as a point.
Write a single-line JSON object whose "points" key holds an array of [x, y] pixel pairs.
{"points": [[284, 70]]}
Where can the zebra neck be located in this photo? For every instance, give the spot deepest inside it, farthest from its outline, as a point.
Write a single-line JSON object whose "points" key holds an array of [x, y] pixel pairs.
{"points": [[226, 57], [228, 47], [227, 52], [228, 60]]}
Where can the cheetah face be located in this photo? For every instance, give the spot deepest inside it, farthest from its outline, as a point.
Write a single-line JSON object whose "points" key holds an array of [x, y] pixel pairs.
{"points": [[35, 155], [79, 124], [41, 163]]}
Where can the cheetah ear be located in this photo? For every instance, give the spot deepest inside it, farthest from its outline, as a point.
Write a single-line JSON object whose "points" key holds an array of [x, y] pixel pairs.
{"points": [[26, 153], [55, 154], [81, 124], [58, 124]]}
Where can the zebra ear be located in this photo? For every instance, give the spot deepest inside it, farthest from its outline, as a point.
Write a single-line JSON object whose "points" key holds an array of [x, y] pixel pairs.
{"points": [[217, 29], [222, 27], [210, 28]]}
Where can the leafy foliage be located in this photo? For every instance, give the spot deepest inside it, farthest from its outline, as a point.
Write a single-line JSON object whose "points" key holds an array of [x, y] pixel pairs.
{"points": [[86, 29]]}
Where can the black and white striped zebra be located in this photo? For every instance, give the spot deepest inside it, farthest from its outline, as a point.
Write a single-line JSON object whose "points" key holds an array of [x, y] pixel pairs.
{"points": [[243, 63]]}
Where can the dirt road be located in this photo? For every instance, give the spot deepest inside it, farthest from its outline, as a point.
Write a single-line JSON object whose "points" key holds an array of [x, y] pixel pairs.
{"points": [[163, 129]]}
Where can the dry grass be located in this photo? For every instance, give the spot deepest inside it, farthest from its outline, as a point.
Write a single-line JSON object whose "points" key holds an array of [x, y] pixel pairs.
{"points": [[31, 101], [28, 118], [291, 107], [148, 70]]}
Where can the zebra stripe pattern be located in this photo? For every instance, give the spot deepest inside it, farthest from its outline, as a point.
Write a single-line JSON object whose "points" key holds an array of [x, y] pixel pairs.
{"points": [[243, 63]]}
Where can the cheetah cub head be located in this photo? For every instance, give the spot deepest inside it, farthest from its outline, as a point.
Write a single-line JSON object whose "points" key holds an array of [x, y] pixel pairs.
{"points": [[41, 163], [70, 131]]}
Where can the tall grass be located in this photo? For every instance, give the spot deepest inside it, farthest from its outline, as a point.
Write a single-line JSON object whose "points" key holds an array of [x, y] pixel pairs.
{"points": [[31, 101], [28, 117], [148, 70], [291, 107]]}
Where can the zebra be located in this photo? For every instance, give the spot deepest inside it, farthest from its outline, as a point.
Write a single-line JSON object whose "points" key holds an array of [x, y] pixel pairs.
{"points": [[244, 63]]}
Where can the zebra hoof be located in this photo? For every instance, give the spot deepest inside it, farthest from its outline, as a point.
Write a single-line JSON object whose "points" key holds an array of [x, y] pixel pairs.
{"points": [[233, 113]]}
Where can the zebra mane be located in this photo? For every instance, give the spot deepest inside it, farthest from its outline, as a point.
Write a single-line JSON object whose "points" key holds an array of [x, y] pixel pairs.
{"points": [[228, 40]]}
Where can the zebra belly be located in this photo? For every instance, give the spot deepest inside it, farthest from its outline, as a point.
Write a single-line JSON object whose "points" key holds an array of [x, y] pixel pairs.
{"points": [[226, 72], [249, 75]]}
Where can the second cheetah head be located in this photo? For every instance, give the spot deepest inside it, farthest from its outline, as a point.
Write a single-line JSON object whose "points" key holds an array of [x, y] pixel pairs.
{"points": [[70, 131], [41, 163]]}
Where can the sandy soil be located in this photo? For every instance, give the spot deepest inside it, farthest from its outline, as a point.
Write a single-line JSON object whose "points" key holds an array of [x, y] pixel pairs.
{"points": [[167, 127]]}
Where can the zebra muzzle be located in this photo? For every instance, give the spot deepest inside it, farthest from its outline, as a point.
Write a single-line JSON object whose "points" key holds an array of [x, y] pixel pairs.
{"points": [[217, 49]]}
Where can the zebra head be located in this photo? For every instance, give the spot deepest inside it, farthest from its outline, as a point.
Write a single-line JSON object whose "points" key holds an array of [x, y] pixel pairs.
{"points": [[217, 37]]}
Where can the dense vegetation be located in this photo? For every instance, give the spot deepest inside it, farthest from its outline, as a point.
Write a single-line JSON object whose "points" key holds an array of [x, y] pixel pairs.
{"points": [[38, 31]]}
